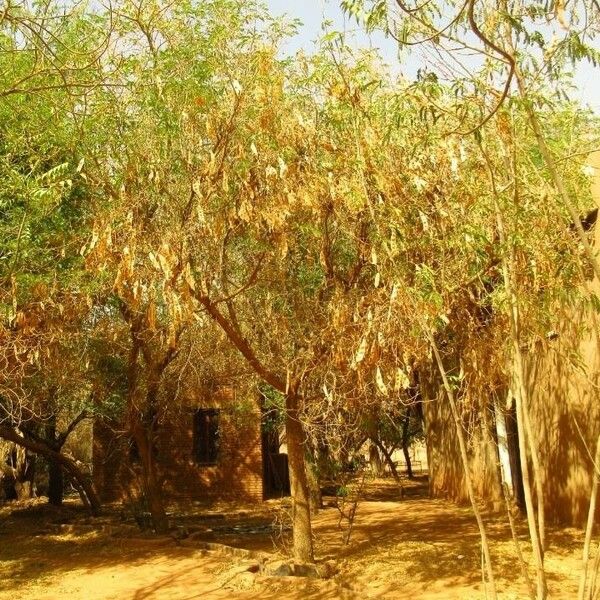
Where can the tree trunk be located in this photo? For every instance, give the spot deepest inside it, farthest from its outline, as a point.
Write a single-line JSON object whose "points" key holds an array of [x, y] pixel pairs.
{"points": [[142, 424], [301, 519], [23, 472], [316, 501], [55, 473], [85, 481], [55, 483], [67, 463], [485, 547], [514, 453], [405, 446], [150, 480], [515, 537], [524, 430], [375, 461], [81, 492], [387, 457], [303, 548], [407, 460]]}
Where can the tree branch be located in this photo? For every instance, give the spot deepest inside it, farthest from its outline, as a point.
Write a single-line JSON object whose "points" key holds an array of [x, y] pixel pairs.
{"points": [[62, 438], [237, 338]]}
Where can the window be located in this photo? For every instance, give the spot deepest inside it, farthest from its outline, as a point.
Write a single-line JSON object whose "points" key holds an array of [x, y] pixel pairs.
{"points": [[206, 436]]}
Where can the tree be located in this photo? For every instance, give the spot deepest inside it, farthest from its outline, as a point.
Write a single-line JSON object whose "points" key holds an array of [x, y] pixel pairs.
{"points": [[514, 44], [48, 62]]}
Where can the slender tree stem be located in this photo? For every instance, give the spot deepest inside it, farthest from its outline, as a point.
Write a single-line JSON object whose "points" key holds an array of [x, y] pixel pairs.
{"points": [[524, 429], [513, 531], [590, 524], [485, 547]]}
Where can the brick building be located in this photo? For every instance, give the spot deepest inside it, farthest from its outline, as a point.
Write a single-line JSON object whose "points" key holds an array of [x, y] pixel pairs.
{"points": [[213, 445]]}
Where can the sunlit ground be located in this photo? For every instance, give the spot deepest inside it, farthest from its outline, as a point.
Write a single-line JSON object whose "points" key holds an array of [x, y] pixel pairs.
{"points": [[417, 547]]}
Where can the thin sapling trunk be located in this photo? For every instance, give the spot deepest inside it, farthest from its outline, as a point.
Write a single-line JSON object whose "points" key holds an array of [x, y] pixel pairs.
{"points": [[465, 461]]}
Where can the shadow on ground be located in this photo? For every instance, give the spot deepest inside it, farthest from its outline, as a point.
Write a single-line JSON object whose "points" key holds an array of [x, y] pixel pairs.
{"points": [[411, 546]]}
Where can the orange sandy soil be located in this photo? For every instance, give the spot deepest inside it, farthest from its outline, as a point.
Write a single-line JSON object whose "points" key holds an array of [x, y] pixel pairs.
{"points": [[414, 548]]}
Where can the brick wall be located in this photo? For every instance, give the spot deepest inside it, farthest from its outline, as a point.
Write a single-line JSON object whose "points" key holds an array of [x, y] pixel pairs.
{"points": [[237, 474]]}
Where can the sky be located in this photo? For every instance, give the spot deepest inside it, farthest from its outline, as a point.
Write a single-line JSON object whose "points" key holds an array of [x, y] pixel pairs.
{"points": [[312, 13]]}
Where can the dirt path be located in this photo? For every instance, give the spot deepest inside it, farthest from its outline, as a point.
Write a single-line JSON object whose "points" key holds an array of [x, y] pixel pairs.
{"points": [[417, 548], [430, 549]]}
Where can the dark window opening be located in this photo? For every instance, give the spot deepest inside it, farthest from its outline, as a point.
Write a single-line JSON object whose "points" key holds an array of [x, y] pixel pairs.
{"points": [[206, 436]]}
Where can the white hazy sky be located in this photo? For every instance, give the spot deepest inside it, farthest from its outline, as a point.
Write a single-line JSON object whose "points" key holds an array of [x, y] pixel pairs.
{"points": [[313, 12]]}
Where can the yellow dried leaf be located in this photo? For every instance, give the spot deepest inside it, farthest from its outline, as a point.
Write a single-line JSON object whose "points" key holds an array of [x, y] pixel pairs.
{"points": [[164, 265], [283, 246], [245, 211], [561, 15], [189, 277], [154, 261], [380, 383], [93, 241], [402, 382], [360, 353]]}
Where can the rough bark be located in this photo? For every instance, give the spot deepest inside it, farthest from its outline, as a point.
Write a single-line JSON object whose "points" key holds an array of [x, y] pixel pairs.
{"points": [[142, 423], [302, 530], [150, 479]]}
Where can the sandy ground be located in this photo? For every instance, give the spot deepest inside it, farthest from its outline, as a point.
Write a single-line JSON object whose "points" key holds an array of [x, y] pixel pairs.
{"points": [[414, 548]]}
